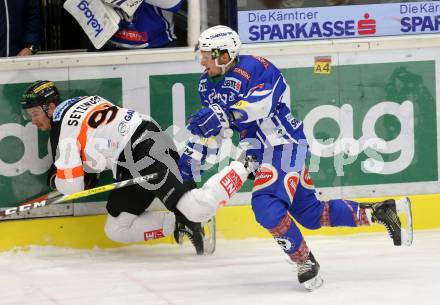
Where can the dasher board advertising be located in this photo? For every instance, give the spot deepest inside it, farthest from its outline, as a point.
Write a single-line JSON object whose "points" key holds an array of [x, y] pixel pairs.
{"points": [[319, 23]]}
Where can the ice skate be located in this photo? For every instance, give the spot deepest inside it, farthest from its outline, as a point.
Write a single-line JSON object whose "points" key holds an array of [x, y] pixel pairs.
{"points": [[396, 216], [209, 236], [308, 273], [206, 232], [194, 232]]}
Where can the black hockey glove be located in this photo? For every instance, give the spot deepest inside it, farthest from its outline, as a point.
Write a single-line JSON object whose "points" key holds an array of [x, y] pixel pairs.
{"points": [[90, 180]]}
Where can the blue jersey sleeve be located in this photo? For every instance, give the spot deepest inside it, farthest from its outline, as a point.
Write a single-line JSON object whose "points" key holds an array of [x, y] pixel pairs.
{"points": [[263, 91]]}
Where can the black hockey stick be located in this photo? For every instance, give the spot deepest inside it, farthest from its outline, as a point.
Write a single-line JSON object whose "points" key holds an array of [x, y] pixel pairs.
{"points": [[64, 198]]}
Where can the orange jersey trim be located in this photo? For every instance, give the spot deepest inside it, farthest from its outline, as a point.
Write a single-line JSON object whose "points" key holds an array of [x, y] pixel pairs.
{"points": [[70, 173], [82, 136]]}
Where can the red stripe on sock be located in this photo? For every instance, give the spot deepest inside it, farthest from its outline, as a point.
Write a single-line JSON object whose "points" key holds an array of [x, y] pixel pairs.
{"points": [[300, 255], [282, 227], [325, 216]]}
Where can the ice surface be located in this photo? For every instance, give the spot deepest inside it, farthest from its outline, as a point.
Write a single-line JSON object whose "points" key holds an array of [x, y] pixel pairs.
{"points": [[357, 270]]}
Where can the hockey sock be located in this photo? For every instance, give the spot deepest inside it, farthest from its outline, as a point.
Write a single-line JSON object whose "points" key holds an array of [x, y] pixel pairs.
{"points": [[338, 213]]}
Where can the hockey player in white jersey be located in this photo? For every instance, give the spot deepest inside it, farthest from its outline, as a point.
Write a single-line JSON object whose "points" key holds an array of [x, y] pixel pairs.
{"points": [[90, 134], [248, 94]]}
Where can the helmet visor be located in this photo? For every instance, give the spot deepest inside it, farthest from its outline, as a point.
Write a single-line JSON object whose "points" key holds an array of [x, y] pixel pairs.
{"points": [[203, 56], [33, 113], [206, 55]]}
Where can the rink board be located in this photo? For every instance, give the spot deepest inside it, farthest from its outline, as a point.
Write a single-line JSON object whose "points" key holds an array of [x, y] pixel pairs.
{"points": [[351, 91], [233, 222], [347, 90]]}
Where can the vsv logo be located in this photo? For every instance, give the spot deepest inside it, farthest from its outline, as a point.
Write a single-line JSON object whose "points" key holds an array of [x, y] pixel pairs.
{"points": [[84, 7]]}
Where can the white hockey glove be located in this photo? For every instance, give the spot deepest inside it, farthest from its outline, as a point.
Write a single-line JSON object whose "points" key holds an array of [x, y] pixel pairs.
{"points": [[128, 6], [98, 20], [199, 205]]}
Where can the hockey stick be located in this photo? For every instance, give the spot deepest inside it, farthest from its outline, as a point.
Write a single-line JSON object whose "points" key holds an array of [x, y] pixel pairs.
{"points": [[49, 195], [64, 198]]}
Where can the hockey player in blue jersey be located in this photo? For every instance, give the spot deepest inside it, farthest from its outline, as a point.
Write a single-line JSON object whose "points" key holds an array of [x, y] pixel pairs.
{"points": [[247, 94]]}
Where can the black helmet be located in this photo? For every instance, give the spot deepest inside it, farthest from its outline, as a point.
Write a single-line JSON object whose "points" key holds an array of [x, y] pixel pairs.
{"points": [[40, 93]]}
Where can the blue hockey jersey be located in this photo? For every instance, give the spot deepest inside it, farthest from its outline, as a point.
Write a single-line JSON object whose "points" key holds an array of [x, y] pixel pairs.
{"points": [[253, 92], [150, 27]]}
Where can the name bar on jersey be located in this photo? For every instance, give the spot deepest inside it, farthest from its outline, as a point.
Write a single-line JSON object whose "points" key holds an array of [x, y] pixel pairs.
{"points": [[339, 22]]}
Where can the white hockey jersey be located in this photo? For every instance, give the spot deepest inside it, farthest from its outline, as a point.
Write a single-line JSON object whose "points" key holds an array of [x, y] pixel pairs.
{"points": [[88, 134]]}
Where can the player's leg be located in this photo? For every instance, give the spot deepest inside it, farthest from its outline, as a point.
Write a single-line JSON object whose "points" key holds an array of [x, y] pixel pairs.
{"points": [[272, 214], [201, 204], [274, 186], [314, 214], [153, 151], [128, 220], [395, 215], [128, 228], [270, 205], [170, 191]]}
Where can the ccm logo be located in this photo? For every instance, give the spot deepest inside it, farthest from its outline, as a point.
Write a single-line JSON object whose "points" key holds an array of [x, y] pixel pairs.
{"points": [[231, 182]]}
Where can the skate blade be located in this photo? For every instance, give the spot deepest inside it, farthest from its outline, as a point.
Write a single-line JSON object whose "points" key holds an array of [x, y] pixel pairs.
{"points": [[313, 283], [210, 238], [403, 207], [179, 240]]}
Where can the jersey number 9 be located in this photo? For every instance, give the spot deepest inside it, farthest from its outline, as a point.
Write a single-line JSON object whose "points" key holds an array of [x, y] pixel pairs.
{"points": [[100, 116]]}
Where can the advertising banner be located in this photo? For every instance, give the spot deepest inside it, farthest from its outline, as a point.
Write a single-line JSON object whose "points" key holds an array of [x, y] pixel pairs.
{"points": [[339, 22], [370, 118], [374, 101]]}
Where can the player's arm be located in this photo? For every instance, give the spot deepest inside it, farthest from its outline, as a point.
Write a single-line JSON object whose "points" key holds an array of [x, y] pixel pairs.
{"points": [[259, 102], [70, 172]]}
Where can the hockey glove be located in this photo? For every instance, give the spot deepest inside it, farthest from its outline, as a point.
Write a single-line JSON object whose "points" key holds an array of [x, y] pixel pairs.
{"points": [[208, 121], [90, 180], [186, 166], [191, 160]]}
